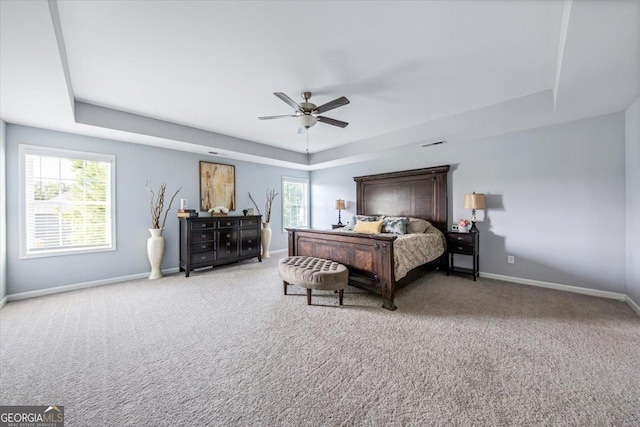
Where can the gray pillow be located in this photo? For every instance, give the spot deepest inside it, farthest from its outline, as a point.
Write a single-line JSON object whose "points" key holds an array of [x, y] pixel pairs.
{"points": [[395, 225]]}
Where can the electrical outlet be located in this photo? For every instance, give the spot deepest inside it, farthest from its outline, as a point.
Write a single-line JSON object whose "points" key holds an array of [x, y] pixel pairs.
{"points": [[511, 259]]}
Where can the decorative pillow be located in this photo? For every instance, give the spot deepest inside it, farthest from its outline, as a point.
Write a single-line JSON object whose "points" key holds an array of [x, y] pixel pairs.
{"points": [[395, 225], [365, 218], [368, 227], [417, 225]]}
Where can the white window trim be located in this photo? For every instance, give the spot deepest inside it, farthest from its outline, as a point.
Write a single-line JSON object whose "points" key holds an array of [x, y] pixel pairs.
{"points": [[295, 179], [23, 150]]}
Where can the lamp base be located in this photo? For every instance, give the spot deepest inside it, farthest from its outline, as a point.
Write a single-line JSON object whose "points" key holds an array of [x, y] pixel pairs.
{"points": [[473, 229]]}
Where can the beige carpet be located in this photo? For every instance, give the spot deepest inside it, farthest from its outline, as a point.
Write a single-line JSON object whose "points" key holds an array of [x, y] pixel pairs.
{"points": [[226, 347]]}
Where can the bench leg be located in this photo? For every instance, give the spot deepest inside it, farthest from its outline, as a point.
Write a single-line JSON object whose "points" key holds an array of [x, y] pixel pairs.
{"points": [[284, 284], [340, 295], [308, 296]]}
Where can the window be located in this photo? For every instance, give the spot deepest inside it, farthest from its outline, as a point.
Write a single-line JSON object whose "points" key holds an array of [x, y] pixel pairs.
{"points": [[295, 202], [66, 202]]}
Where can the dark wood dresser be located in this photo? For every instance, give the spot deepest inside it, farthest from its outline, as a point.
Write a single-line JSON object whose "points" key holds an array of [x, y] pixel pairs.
{"points": [[211, 241], [464, 244]]}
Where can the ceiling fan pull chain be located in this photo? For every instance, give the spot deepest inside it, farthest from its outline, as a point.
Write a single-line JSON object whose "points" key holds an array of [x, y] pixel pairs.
{"points": [[307, 142]]}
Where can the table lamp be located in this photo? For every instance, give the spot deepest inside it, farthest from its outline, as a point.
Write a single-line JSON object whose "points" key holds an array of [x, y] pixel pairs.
{"points": [[340, 205], [473, 201]]}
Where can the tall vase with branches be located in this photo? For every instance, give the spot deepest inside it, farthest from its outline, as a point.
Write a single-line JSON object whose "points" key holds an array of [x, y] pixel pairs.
{"points": [[266, 228], [155, 243]]}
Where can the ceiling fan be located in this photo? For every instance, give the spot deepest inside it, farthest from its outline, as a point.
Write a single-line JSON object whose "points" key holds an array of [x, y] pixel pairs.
{"points": [[307, 113]]}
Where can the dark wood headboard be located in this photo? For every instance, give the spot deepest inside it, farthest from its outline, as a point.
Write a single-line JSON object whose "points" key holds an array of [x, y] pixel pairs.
{"points": [[420, 193]]}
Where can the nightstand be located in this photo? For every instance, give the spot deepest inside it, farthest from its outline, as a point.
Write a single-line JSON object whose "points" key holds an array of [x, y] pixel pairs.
{"points": [[334, 226], [464, 244]]}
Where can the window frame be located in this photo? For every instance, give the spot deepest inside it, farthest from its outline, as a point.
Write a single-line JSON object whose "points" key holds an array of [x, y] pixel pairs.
{"points": [[305, 181], [23, 151]]}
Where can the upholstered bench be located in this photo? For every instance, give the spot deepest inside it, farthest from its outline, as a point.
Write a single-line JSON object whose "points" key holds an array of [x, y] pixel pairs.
{"points": [[313, 273]]}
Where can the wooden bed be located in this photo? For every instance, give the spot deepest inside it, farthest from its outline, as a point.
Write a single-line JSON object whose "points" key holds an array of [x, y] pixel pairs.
{"points": [[420, 193]]}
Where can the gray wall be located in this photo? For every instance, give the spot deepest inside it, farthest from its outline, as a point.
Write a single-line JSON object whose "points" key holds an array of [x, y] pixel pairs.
{"points": [[632, 171], [134, 165], [3, 213], [555, 198]]}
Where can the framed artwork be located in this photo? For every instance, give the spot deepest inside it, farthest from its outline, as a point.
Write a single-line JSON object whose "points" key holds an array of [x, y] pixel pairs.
{"points": [[217, 186]]}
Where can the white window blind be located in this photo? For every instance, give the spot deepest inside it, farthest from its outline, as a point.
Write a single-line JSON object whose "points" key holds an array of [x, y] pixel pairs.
{"points": [[295, 202], [68, 202]]}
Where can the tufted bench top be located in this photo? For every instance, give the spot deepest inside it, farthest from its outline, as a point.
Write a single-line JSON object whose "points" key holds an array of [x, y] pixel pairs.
{"points": [[314, 273]]}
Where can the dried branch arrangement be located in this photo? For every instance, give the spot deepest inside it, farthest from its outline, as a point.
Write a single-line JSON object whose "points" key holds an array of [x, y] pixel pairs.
{"points": [[157, 204], [271, 194]]}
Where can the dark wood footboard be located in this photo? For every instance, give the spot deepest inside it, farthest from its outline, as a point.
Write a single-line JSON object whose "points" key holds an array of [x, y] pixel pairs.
{"points": [[369, 258]]}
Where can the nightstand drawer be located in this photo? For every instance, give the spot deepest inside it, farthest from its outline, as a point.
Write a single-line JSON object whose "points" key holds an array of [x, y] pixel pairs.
{"points": [[460, 238], [459, 248]]}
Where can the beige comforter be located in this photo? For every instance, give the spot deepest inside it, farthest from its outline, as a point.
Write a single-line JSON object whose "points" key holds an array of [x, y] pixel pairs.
{"points": [[412, 250]]}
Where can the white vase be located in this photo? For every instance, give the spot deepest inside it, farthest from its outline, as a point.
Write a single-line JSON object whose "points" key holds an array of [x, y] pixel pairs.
{"points": [[155, 251], [265, 236]]}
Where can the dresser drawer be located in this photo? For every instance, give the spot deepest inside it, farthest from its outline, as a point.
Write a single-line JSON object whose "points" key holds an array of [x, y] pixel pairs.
{"points": [[201, 236], [248, 233], [227, 251], [228, 223], [247, 223], [199, 258], [249, 246], [202, 247], [227, 236], [202, 225]]}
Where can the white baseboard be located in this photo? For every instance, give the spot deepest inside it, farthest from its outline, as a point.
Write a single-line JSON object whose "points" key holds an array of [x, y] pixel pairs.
{"points": [[633, 305], [279, 251], [84, 285], [558, 286], [3, 302]]}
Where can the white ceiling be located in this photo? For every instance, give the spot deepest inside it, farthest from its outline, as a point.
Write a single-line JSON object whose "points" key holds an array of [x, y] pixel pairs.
{"points": [[414, 71]]}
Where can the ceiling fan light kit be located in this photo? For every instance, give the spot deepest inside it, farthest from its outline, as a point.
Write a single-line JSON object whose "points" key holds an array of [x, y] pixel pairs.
{"points": [[307, 113]]}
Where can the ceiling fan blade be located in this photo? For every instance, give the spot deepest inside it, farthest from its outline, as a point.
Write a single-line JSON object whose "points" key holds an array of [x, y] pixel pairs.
{"points": [[289, 101], [276, 117], [334, 122], [338, 102], [302, 130]]}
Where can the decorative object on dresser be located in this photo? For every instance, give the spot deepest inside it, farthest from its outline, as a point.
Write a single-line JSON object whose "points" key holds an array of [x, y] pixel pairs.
{"points": [[463, 226], [418, 193], [155, 243], [211, 241], [217, 186], [266, 225], [218, 211], [340, 206], [464, 244], [187, 213], [474, 201]]}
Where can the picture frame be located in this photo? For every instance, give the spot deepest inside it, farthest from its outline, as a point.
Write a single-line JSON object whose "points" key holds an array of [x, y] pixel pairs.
{"points": [[217, 185]]}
